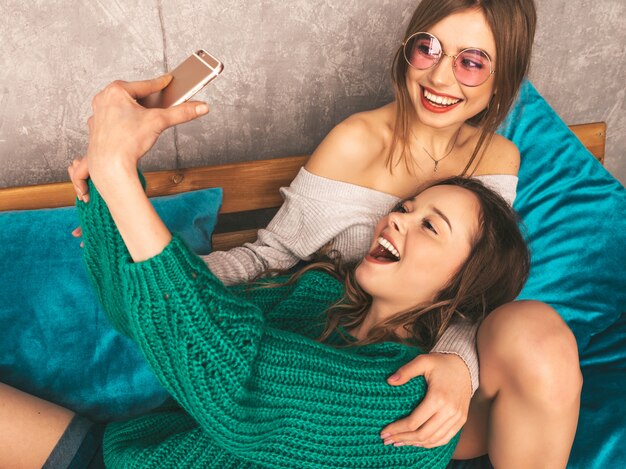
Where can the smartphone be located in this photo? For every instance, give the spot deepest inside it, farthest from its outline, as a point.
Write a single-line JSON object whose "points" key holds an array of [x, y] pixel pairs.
{"points": [[197, 71]]}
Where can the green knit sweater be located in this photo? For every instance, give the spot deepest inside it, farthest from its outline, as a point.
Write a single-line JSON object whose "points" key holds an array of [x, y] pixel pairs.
{"points": [[252, 386]]}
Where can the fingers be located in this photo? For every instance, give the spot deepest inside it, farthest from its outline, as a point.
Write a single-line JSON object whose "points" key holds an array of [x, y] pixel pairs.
{"points": [[422, 413], [433, 423], [143, 88], [426, 438], [180, 114], [79, 173], [443, 436], [77, 233], [416, 367], [432, 433]]}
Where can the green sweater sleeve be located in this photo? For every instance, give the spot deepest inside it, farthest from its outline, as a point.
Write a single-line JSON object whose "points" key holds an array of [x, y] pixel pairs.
{"points": [[261, 393]]}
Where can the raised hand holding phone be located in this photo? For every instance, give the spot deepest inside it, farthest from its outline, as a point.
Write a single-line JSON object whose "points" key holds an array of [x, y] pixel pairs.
{"points": [[168, 91], [120, 133], [197, 71]]}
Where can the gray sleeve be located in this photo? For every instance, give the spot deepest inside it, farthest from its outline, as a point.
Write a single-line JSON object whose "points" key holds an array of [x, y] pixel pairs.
{"points": [[287, 239], [315, 211], [460, 339]]}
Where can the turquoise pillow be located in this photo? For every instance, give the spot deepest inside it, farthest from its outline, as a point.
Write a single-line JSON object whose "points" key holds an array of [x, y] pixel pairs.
{"points": [[575, 215], [61, 347], [602, 424]]}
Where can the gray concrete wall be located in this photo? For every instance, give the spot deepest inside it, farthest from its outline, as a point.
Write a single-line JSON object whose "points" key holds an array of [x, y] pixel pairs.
{"points": [[292, 71]]}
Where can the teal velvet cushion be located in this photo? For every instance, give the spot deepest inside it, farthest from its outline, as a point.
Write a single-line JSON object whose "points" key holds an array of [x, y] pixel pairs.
{"points": [[601, 431], [575, 215], [59, 345]]}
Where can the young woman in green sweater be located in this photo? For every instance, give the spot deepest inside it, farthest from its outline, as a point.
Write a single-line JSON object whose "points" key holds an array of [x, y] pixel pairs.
{"points": [[260, 376]]}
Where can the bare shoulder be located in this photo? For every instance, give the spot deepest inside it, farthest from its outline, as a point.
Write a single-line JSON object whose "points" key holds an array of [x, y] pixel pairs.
{"points": [[501, 157], [351, 146]]}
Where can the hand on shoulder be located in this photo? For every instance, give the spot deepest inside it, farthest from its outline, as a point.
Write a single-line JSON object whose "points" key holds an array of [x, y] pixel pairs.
{"points": [[350, 147]]}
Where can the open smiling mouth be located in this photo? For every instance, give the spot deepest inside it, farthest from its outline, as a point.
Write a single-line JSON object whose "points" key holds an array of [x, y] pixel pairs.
{"points": [[437, 101], [384, 251]]}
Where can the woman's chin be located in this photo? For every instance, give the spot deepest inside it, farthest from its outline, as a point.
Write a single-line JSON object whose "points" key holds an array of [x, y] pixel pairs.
{"points": [[364, 276]]}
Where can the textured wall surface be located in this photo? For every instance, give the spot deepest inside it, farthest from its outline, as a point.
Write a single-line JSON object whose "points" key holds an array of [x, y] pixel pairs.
{"points": [[292, 71]]}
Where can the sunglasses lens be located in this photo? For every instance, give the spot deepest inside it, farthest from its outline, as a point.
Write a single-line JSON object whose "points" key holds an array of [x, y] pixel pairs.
{"points": [[472, 67], [422, 51]]}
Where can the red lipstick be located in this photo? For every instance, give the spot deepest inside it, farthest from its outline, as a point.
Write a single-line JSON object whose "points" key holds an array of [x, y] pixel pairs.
{"points": [[436, 109]]}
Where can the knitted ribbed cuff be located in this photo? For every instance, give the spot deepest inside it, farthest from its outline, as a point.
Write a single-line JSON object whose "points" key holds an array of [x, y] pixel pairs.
{"points": [[460, 339]]}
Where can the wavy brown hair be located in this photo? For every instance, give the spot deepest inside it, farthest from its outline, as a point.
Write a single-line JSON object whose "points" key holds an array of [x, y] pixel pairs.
{"points": [[493, 274], [512, 23]]}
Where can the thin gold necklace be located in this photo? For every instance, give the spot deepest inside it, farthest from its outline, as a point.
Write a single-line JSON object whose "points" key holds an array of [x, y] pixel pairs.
{"points": [[431, 156]]}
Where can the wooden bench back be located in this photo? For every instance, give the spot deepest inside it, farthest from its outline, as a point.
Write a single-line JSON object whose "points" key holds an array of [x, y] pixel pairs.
{"points": [[250, 186]]}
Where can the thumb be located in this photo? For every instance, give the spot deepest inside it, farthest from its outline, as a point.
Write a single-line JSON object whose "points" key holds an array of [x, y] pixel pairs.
{"points": [[417, 367], [182, 113], [143, 88]]}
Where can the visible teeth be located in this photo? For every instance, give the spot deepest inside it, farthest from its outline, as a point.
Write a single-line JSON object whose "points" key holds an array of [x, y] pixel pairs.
{"points": [[388, 246], [444, 101]]}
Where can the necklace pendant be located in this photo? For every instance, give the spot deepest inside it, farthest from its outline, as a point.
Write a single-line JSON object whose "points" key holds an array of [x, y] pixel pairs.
{"points": [[436, 163]]}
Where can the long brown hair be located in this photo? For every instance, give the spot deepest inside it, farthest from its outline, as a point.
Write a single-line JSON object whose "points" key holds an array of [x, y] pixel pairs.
{"points": [[512, 23], [493, 274]]}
